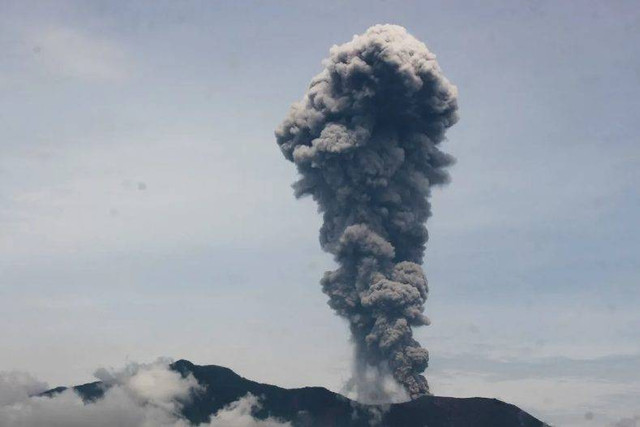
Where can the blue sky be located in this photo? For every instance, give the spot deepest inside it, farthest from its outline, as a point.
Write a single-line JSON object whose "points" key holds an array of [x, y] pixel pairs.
{"points": [[145, 209]]}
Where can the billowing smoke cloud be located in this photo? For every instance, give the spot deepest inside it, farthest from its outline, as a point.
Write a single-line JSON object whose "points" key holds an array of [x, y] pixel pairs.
{"points": [[139, 396], [365, 139]]}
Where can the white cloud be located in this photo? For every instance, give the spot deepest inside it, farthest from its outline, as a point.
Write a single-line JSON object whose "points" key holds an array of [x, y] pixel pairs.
{"points": [[138, 396], [239, 414], [154, 384], [67, 409], [18, 386], [628, 422]]}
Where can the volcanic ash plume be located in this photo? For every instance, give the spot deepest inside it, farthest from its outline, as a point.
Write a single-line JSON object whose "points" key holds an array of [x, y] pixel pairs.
{"points": [[365, 140]]}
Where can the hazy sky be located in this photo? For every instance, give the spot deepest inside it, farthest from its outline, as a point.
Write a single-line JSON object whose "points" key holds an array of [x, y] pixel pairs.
{"points": [[146, 210]]}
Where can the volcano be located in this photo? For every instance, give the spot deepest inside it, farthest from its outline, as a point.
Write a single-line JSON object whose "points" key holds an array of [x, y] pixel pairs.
{"points": [[317, 406]]}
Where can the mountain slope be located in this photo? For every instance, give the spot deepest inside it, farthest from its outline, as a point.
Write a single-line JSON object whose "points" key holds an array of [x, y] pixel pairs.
{"points": [[317, 406]]}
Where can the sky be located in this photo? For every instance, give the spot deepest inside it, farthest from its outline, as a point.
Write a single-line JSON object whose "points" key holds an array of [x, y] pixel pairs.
{"points": [[146, 210]]}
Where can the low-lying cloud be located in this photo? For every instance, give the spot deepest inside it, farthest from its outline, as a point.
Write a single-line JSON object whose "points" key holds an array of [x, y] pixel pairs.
{"points": [[140, 395]]}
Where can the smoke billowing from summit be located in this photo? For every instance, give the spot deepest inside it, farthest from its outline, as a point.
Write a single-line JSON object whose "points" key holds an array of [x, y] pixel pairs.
{"points": [[365, 140]]}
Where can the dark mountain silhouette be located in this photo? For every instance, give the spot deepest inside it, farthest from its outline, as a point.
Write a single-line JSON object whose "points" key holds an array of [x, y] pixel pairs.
{"points": [[317, 406]]}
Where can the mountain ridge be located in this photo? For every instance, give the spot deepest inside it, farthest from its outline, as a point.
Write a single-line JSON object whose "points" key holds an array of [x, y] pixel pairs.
{"points": [[317, 406]]}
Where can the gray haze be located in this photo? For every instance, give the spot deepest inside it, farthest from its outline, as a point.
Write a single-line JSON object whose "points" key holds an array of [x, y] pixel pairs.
{"points": [[365, 140]]}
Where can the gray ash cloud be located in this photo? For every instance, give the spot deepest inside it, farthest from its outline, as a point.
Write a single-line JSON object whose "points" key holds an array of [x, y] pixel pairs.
{"points": [[365, 139]]}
